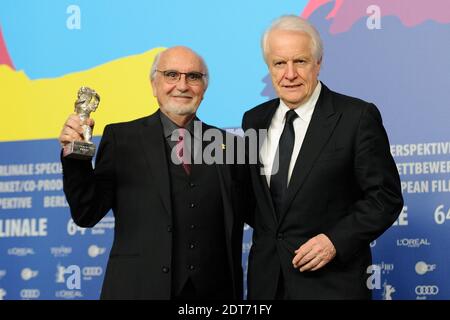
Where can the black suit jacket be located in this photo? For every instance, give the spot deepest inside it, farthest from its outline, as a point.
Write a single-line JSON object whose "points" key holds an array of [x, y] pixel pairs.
{"points": [[344, 184], [131, 177]]}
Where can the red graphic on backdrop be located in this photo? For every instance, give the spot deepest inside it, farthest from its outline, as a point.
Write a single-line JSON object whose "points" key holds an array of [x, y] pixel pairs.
{"points": [[4, 55]]}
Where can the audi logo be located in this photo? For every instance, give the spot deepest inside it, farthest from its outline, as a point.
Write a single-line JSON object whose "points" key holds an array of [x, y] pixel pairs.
{"points": [[427, 290], [30, 293], [92, 271]]}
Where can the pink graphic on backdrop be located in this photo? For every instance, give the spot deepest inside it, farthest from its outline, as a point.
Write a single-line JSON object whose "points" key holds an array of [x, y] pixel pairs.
{"points": [[315, 4], [411, 12], [4, 55]]}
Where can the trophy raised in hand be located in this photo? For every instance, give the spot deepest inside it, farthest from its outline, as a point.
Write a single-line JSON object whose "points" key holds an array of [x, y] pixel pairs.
{"points": [[86, 103]]}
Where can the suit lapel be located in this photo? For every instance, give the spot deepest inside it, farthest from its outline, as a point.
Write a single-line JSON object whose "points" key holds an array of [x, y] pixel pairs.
{"points": [[323, 122], [264, 125], [225, 182], [223, 173], [153, 146]]}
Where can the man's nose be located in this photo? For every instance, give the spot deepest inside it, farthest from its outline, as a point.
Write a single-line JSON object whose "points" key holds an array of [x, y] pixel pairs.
{"points": [[291, 72], [182, 83]]}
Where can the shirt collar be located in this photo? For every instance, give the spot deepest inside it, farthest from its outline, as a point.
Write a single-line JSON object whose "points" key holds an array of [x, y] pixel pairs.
{"points": [[169, 126], [304, 110]]}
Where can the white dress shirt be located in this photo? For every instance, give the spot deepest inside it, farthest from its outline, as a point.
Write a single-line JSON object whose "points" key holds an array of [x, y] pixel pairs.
{"points": [[301, 123]]}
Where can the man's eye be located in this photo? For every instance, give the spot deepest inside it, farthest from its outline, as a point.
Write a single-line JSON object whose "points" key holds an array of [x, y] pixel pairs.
{"points": [[172, 74], [194, 76]]}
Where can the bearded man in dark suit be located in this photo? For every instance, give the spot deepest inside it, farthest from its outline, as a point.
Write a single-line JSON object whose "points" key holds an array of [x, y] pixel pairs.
{"points": [[178, 224]]}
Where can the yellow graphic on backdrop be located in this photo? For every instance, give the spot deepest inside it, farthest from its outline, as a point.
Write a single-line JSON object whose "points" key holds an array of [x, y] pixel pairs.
{"points": [[37, 109]]}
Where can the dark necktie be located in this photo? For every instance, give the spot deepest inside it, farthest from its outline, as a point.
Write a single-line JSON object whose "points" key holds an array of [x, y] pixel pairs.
{"points": [[183, 154], [279, 178]]}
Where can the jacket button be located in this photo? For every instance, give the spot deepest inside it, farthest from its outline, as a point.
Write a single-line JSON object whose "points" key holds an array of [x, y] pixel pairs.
{"points": [[192, 205], [280, 236], [191, 246], [192, 226], [191, 184], [165, 269], [169, 228], [191, 267]]}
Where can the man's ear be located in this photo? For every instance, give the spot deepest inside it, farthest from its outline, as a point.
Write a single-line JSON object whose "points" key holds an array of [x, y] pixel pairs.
{"points": [[154, 90], [319, 65]]}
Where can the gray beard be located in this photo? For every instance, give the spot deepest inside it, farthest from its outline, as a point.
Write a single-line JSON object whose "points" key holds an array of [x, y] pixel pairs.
{"points": [[181, 111]]}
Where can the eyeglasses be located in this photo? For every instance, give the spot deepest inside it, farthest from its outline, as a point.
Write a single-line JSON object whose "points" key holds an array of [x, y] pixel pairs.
{"points": [[193, 78]]}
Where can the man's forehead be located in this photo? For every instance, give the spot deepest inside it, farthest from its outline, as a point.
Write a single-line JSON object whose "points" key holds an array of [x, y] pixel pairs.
{"points": [[296, 43], [180, 60]]}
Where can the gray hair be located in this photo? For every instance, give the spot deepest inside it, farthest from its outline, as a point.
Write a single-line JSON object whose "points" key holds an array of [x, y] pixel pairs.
{"points": [[154, 67], [295, 23]]}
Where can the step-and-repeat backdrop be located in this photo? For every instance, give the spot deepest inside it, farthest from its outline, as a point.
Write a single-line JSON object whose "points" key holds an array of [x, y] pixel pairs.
{"points": [[393, 53]]}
